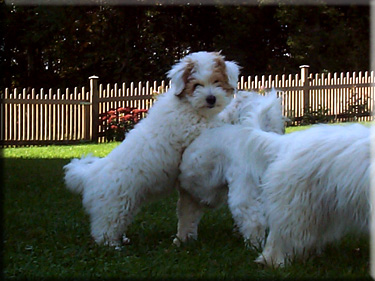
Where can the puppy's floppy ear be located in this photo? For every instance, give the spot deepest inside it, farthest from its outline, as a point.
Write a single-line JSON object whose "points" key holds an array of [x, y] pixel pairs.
{"points": [[233, 70], [179, 75]]}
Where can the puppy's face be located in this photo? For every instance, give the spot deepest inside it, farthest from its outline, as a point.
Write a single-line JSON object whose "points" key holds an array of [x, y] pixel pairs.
{"points": [[206, 81]]}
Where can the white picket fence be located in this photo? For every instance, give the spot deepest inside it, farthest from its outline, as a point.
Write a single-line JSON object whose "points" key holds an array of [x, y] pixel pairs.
{"points": [[31, 117]]}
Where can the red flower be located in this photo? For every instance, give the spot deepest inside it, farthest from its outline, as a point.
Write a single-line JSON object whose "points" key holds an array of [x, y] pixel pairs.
{"points": [[127, 117], [125, 110], [136, 111], [111, 118], [120, 120]]}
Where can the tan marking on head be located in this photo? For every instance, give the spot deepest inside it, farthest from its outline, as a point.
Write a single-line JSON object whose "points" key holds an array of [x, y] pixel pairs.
{"points": [[218, 54], [191, 85], [186, 77], [219, 75], [188, 71]]}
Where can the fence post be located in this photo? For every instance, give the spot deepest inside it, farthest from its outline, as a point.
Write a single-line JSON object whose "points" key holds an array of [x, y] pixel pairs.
{"points": [[306, 87], [94, 104]]}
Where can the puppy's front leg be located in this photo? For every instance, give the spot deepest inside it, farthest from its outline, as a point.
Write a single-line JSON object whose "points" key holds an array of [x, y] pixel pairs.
{"points": [[189, 213]]}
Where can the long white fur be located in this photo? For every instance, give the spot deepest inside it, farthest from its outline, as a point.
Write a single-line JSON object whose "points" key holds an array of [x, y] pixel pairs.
{"points": [[145, 164], [316, 190], [224, 161], [313, 185]]}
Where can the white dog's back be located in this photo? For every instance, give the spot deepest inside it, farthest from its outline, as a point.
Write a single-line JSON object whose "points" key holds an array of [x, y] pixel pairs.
{"points": [[333, 160], [316, 190], [265, 112]]}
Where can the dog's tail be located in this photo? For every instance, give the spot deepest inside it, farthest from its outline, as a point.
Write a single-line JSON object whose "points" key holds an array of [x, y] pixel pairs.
{"points": [[264, 125], [76, 173], [267, 115]]}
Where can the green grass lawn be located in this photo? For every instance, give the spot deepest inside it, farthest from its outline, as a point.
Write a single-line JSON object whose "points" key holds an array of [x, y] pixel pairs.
{"points": [[46, 234]]}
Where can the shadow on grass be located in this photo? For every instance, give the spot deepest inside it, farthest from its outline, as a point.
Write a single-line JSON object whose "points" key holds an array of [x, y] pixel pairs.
{"points": [[47, 235]]}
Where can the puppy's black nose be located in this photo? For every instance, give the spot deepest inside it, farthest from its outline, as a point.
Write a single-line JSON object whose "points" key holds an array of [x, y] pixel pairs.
{"points": [[211, 100]]}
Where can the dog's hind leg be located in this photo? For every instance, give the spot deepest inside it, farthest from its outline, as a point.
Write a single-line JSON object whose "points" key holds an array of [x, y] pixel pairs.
{"points": [[189, 213], [106, 232], [110, 222], [273, 253], [245, 204]]}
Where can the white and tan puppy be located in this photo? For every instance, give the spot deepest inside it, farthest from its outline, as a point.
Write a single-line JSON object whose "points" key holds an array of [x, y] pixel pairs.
{"points": [[145, 164], [224, 165]]}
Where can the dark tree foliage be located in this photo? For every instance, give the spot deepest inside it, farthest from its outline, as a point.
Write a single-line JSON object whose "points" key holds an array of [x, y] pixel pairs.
{"points": [[251, 35], [333, 38], [61, 46]]}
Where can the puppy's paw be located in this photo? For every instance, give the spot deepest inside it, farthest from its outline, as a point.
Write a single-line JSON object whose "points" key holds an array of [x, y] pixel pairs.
{"points": [[177, 242], [112, 243], [125, 240], [260, 260], [275, 263]]}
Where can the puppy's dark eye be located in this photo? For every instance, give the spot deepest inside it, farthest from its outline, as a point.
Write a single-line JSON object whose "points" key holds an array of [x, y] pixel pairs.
{"points": [[197, 85]]}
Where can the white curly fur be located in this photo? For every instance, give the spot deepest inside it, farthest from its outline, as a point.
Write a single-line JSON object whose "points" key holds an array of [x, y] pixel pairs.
{"points": [[309, 187], [225, 165], [316, 190], [145, 164]]}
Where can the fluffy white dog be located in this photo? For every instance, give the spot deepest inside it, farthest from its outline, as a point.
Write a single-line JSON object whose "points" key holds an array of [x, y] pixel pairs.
{"points": [[146, 163], [316, 190], [313, 185], [224, 164]]}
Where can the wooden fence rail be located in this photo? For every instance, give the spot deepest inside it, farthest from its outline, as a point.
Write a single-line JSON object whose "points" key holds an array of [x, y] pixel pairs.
{"points": [[72, 116]]}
